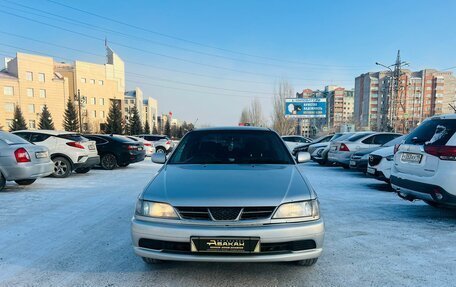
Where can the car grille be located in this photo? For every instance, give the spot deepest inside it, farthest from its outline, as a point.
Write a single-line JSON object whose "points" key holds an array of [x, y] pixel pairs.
{"points": [[374, 159], [226, 213], [356, 157]]}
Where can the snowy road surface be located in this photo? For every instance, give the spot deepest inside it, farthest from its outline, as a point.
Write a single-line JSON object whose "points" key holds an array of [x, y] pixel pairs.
{"points": [[75, 232]]}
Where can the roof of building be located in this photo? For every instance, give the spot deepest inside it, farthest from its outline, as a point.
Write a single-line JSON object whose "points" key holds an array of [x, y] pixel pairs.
{"points": [[6, 75]]}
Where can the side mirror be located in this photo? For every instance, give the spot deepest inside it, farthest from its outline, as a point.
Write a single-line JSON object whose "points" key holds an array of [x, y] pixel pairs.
{"points": [[303, 157], [159, 158]]}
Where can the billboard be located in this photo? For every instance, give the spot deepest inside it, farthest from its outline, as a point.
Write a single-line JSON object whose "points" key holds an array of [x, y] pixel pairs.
{"points": [[305, 108]]}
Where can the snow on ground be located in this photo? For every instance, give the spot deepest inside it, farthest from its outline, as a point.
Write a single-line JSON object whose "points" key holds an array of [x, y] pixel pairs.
{"points": [[75, 232]]}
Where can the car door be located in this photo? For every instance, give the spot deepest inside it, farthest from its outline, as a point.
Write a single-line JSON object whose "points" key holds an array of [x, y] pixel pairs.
{"points": [[44, 140], [382, 139]]}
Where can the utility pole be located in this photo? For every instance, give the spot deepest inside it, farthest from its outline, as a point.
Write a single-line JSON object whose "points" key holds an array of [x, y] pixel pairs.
{"points": [[80, 113]]}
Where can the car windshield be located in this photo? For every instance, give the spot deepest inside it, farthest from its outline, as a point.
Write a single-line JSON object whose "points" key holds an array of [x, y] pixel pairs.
{"points": [[395, 141], [356, 137], [342, 137], [11, 139], [231, 147], [73, 137]]}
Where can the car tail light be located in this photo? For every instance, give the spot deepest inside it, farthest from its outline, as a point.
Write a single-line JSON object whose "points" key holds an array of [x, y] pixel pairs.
{"points": [[168, 142], [22, 155], [343, 147], [441, 151], [396, 148], [147, 144], [132, 147], [75, 144]]}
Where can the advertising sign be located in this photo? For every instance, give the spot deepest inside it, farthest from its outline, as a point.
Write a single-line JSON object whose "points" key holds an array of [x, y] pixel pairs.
{"points": [[305, 108]]}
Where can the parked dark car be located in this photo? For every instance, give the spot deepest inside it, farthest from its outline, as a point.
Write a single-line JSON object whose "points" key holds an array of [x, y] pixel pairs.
{"points": [[117, 150], [305, 147]]}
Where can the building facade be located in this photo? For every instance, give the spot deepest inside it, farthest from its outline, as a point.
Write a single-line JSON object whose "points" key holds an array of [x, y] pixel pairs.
{"points": [[30, 82], [147, 107], [340, 107], [421, 94]]}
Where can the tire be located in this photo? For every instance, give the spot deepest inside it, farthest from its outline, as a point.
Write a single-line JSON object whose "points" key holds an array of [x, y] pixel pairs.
{"points": [[124, 164], [108, 161], [152, 261], [160, 150], [25, 181], [82, 170], [306, 262], [62, 167], [2, 182]]}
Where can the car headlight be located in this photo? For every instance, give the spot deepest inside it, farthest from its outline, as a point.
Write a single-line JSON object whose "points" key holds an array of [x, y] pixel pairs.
{"points": [[309, 210], [155, 209], [390, 157]]}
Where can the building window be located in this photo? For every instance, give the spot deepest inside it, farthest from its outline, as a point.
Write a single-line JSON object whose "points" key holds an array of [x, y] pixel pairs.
{"points": [[32, 124], [29, 76], [101, 102], [132, 101], [100, 82], [30, 92], [42, 93], [85, 126], [9, 107], [31, 108], [93, 101], [92, 81], [94, 114], [84, 80], [8, 91], [41, 77], [102, 114]]}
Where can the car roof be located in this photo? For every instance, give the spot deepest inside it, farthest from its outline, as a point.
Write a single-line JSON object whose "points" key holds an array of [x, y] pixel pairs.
{"points": [[234, 128], [48, 132]]}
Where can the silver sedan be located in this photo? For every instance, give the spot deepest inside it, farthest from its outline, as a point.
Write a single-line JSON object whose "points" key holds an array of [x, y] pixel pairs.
{"points": [[229, 195], [21, 161]]}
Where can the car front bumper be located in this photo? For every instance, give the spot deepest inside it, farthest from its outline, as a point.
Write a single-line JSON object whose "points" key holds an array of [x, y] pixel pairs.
{"points": [[271, 233], [28, 170], [340, 157]]}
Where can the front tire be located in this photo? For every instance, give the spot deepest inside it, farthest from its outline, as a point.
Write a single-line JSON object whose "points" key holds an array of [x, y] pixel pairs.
{"points": [[62, 167], [82, 170], [152, 261], [25, 181], [306, 262], [108, 161]]}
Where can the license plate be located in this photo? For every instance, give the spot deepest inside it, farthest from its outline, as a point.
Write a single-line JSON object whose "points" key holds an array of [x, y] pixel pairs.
{"points": [[353, 163], [371, 170], [411, 157], [140, 148], [91, 147], [225, 244], [41, 154]]}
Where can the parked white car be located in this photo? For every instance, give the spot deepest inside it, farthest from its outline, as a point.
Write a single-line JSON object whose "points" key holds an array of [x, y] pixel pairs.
{"points": [[148, 145], [425, 164], [294, 141], [340, 152], [68, 150]]}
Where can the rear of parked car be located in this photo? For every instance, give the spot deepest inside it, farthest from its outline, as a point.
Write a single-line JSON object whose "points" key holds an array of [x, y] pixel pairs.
{"points": [[148, 145], [21, 161], [425, 164]]}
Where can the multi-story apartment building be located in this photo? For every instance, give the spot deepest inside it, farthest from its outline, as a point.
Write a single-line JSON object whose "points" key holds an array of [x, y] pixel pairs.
{"points": [[147, 107], [340, 107], [420, 94], [30, 81], [150, 112], [98, 85]]}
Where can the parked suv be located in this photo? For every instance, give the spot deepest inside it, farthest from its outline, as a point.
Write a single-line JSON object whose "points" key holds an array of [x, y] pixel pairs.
{"points": [[161, 143], [116, 150], [69, 151], [425, 164]]}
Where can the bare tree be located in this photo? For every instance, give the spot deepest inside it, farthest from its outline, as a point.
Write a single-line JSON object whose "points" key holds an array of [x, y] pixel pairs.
{"points": [[280, 123], [245, 116], [255, 113]]}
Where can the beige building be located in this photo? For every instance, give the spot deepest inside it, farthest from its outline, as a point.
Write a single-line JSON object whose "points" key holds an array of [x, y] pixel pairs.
{"points": [[30, 81], [147, 107], [98, 84], [340, 105]]}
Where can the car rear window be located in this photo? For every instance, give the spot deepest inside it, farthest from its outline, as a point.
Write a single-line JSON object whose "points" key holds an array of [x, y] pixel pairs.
{"points": [[11, 139], [435, 131], [356, 137], [73, 137]]}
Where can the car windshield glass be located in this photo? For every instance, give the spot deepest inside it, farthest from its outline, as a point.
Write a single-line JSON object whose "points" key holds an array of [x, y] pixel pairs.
{"points": [[73, 137], [395, 141], [342, 137], [433, 132], [356, 137], [11, 139], [231, 147]]}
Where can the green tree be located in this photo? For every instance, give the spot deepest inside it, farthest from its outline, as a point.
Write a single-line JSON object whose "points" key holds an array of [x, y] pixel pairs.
{"points": [[180, 132], [167, 129], [155, 130], [46, 122], [134, 122], [174, 131], [114, 120], [70, 118], [18, 121], [146, 127]]}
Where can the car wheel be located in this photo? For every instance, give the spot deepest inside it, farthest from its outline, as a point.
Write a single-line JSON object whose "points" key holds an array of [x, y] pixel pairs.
{"points": [[62, 167], [82, 170], [108, 161], [25, 181], [435, 204], [160, 150], [152, 261], [307, 262], [2, 182], [124, 164]]}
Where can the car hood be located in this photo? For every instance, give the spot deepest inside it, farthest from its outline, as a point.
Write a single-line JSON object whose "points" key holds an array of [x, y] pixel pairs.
{"points": [[228, 185], [384, 152]]}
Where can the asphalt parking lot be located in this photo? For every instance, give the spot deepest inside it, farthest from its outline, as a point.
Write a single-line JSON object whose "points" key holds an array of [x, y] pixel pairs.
{"points": [[75, 232]]}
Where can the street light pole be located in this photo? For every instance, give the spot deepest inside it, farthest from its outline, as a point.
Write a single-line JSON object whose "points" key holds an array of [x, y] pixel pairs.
{"points": [[80, 113]]}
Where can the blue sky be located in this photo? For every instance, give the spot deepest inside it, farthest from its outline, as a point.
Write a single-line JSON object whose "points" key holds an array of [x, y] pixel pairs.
{"points": [[257, 44]]}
